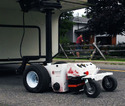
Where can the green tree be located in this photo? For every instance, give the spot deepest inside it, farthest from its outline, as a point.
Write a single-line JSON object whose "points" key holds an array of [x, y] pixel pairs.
{"points": [[65, 22], [84, 16], [107, 17]]}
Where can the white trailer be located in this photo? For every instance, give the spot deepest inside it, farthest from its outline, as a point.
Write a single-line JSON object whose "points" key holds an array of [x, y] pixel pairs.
{"points": [[10, 37], [32, 37]]}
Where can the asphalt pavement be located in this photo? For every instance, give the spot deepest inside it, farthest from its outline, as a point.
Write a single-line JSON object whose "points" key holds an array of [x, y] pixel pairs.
{"points": [[13, 93]]}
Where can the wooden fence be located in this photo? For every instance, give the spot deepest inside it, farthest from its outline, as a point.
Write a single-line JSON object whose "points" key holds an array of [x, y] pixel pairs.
{"points": [[91, 51]]}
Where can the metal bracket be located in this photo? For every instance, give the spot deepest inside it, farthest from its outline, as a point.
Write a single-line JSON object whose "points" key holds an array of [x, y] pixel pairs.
{"points": [[88, 85]]}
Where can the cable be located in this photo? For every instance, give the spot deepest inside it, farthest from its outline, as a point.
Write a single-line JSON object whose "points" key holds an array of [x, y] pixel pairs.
{"points": [[22, 35]]}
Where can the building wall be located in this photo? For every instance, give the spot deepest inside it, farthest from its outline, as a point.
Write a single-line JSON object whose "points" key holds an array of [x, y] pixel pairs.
{"points": [[76, 27], [114, 39], [120, 39]]}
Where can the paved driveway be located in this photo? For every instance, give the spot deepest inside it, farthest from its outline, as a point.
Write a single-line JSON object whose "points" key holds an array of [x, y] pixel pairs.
{"points": [[13, 93]]}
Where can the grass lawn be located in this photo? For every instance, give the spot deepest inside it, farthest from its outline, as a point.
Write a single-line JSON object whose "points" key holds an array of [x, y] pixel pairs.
{"points": [[80, 59]]}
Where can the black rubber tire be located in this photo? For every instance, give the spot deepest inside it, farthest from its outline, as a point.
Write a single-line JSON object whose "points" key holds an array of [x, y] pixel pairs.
{"points": [[60, 62], [112, 83], [96, 89], [43, 75]]}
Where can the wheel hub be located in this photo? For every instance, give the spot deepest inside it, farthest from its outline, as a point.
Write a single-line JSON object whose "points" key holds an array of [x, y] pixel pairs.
{"points": [[91, 90], [32, 79]]}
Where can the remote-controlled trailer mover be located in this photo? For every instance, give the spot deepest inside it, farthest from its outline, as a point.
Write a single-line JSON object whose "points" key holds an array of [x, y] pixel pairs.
{"points": [[32, 37], [68, 77]]}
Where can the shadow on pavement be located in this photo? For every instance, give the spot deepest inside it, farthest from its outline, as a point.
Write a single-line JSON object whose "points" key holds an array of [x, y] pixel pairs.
{"points": [[7, 70]]}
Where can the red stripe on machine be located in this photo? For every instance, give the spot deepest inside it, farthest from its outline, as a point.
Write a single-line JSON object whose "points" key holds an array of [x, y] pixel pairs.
{"points": [[76, 85]]}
